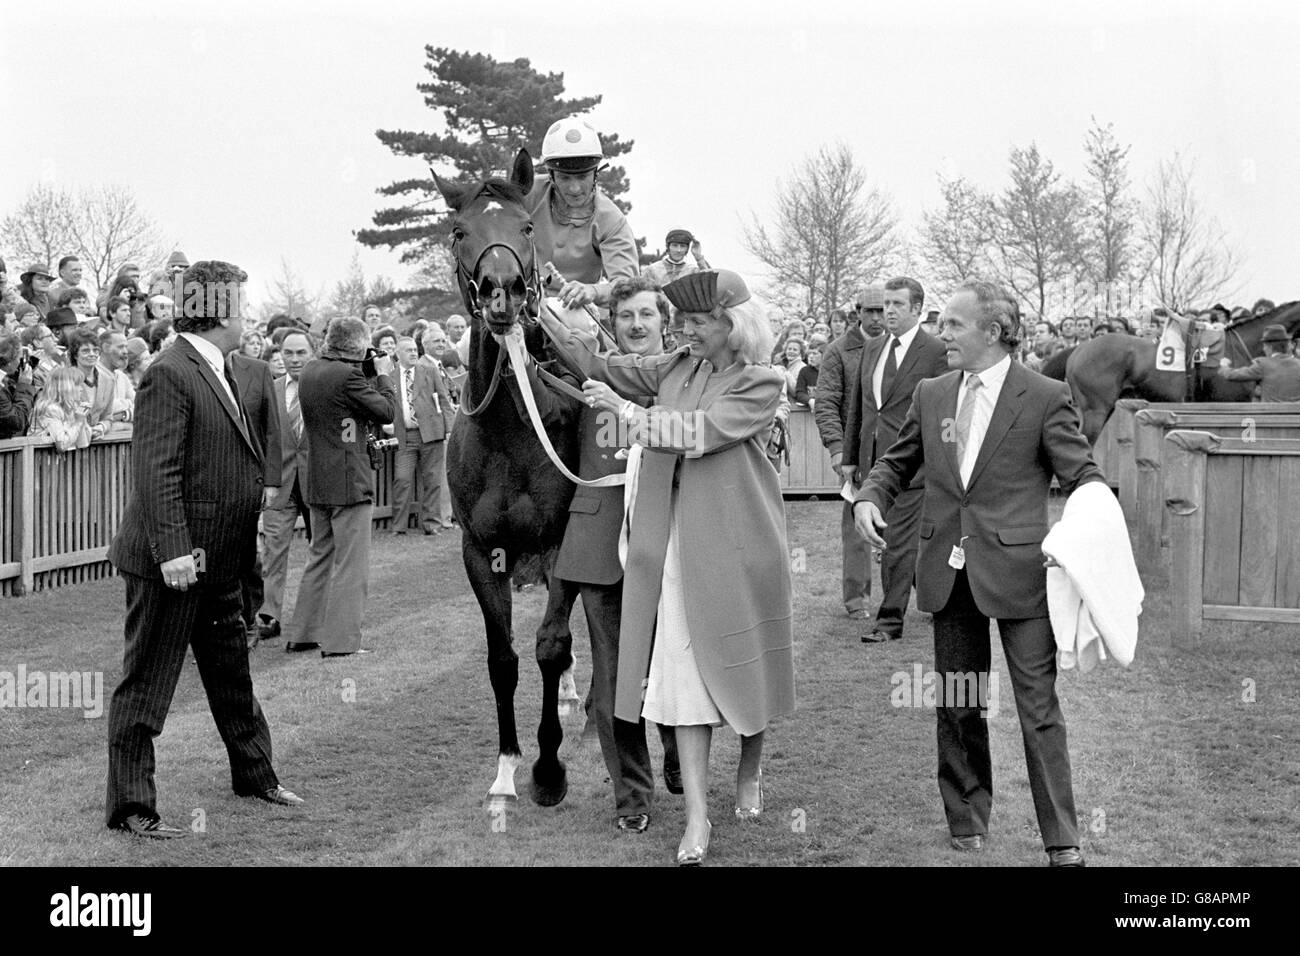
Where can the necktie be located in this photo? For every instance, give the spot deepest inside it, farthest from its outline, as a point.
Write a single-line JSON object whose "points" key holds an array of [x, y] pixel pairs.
{"points": [[964, 416], [409, 377], [295, 411], [891, 368]]}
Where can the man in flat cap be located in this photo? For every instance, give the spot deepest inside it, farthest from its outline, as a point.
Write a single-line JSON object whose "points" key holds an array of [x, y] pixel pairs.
{"points": [[1277, 371], [674, 265]]}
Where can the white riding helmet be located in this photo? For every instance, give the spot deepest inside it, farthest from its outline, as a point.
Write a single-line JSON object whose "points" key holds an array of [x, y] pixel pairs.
{"points": [[571, 145]]}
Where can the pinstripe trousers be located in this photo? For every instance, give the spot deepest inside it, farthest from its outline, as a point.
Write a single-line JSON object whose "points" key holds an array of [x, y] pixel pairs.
{"points": [[160, 624]]}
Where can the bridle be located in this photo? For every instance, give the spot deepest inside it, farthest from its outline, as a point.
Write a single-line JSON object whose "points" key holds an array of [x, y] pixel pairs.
{"points": [[525, 316]]}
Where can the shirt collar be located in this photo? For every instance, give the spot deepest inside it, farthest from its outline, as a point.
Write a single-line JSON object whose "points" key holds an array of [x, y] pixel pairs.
{"points": [[993, 377], [905, 340], [211, 354]]}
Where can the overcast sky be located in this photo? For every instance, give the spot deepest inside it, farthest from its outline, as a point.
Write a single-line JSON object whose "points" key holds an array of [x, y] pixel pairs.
{"points": [[249, 133]]}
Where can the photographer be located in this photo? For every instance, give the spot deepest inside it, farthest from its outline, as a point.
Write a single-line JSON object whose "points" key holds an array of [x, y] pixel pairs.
{"points": [[17, 394], [342, 394]]}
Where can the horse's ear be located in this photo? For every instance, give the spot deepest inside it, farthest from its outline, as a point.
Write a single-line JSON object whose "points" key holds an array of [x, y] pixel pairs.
{"points": [[522, 174], [451, 193]]}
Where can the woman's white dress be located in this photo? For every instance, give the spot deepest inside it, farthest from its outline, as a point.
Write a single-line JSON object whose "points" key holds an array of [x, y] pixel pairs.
{"points": [[675, 694]]}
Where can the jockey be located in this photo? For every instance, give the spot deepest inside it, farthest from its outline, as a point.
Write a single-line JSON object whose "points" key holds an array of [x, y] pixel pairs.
{"points": [[576, 226], [674, 265]]}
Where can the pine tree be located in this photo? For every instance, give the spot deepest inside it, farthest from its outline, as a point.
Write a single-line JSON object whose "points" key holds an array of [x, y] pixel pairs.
{"points": [[489, 110]]}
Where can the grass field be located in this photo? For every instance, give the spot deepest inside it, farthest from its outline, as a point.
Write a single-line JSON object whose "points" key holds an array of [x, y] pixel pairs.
{"points": [[394, 752]]}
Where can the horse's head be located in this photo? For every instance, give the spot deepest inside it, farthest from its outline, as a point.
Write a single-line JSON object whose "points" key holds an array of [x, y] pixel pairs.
{"points": [[492, 240]]}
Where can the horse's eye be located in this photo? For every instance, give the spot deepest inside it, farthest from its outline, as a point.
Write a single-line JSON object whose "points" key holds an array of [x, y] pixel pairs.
{"points": [[528, 229], [457, 232]]}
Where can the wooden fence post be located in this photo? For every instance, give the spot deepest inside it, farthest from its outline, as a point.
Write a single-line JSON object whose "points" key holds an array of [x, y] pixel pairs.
{"points": [[1184, 483], [1126, 463], [1148, 448], [25, 519]]}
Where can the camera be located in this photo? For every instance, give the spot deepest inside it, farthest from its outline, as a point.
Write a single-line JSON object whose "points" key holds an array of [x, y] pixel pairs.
{"points": [[375, 448], [30, 357]]}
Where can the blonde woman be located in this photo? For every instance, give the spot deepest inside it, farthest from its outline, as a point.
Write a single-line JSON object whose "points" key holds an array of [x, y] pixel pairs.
{"points": [[61, 411], [707, 579], [251, 343]]}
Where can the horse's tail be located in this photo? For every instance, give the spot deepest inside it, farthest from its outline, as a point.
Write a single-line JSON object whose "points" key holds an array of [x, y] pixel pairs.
{"points": [[529, 569]]}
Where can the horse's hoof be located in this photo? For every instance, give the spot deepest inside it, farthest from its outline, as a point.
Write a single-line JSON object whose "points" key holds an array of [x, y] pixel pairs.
{"points": [[495, 803], [550, 786]]}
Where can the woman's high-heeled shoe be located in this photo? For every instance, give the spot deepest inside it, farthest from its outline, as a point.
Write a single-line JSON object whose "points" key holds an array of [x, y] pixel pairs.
{"points": [[752, 813], [695, 855]]}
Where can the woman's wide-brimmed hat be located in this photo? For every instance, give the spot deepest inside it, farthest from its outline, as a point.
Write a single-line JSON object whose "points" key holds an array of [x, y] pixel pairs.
{"points": [[36, 269], [707, 292]]}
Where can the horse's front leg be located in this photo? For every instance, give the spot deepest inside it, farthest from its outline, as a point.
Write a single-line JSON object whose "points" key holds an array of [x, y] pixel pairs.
{"points": [[492, 589], [554, 658]]}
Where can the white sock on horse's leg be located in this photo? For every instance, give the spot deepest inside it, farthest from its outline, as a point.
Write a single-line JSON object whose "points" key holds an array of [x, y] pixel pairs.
{"points": [[502, 790]]}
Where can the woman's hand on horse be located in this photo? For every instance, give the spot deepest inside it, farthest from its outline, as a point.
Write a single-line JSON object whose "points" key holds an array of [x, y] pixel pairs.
{"points": [[575, 295], [600, 395]]}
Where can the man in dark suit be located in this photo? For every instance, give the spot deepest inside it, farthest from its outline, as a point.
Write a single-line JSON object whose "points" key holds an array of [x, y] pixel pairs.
{"points": [[993, 434], [257, 395], [340, 402], [839, 370], [421, 424], [589, 558], [892, 365], [186, 541], [280, 516]]}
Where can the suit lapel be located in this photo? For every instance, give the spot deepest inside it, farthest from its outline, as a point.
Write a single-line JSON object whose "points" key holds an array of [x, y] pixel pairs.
{"points": [[1005, 413], [906, 366], [206, 373]]}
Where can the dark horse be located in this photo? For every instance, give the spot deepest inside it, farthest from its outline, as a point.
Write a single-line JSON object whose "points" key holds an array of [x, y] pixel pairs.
{"points": [[1105, 369], [511, 502]]}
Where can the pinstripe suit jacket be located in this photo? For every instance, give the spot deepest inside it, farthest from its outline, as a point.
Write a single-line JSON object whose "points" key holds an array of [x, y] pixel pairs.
{"points": [[197, 474]]}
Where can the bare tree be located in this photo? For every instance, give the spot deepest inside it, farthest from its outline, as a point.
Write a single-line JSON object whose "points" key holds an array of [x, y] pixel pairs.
{"points": [[103, 226], [1037, 246], [1185, 255], [286, 293], [954, 238], [831, 233], [41, 228], [1111, 213], [110, 229]]}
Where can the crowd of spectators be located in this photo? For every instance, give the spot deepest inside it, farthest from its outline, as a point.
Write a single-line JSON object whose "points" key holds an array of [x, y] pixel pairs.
{"points": [[71, 359]]}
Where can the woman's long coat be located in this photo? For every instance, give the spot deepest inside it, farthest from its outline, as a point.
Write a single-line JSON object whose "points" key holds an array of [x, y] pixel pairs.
{"points": [[708, 433]]}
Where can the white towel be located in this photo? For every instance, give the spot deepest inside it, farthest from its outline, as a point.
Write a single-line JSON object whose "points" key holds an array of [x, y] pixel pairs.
{"points": [[1095, 597]]}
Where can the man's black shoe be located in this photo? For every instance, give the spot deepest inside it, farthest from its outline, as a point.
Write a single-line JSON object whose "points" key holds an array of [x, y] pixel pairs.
{"points": [[673, 777], [1065, 856], [877, 636], [293, 648], [268, 629], [278, 795], [634, 823], [149, 827]]}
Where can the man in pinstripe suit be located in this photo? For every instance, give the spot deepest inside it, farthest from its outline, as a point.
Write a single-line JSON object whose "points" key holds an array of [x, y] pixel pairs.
{"points": [[187, 538]]}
